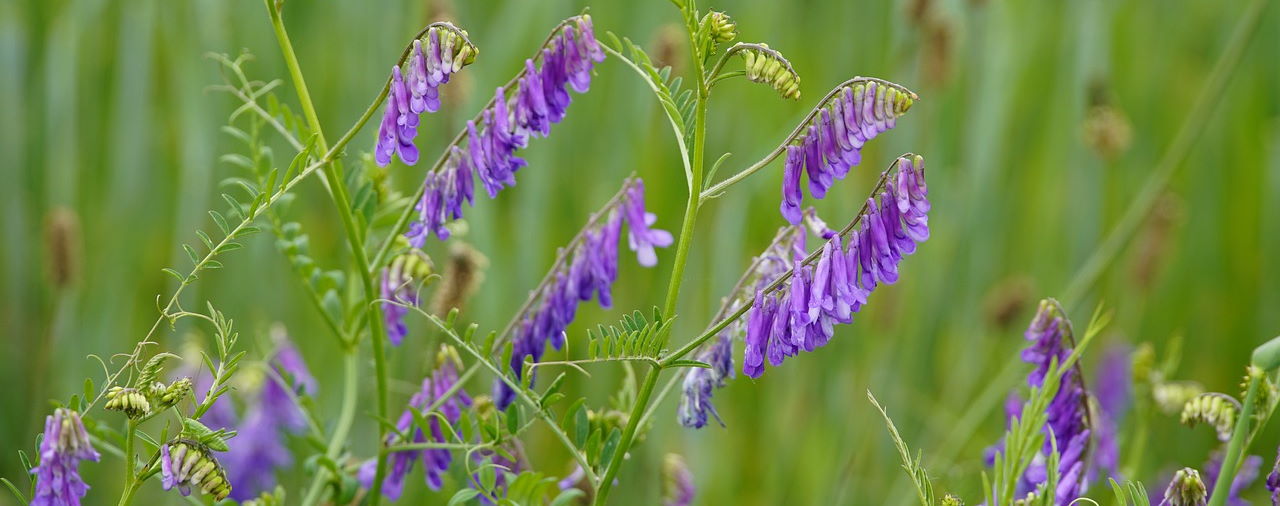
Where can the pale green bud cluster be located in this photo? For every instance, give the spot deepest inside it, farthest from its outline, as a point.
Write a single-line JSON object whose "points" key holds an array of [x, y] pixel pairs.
{"points": [[722, 27], [1186, 489], [129, 401], [1172, 396], [455, 50], [190, 463], [951, 500], [764, 65], [1217, 410]]}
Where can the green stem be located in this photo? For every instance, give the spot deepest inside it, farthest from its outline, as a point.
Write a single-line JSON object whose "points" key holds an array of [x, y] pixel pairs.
{"points": [[677, 271], [1231, 462], [354, 236], [1195, 124], [350, 365], [129, 478]]}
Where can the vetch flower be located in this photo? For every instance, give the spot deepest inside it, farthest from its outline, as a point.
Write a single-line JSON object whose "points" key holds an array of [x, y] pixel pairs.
{"points": [[586, 271], [1216, 410], [832, 144], [188, 464], [258, 448], [538, 100], [1186, 489], [399, 289], [438, 389], [767, 66], [1273, 481], [414, 89], [830, 290], [65, 444], [677, 482]]}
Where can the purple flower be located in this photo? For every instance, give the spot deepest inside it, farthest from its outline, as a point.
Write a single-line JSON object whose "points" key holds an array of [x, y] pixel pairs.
{"points": [[399, 291], [65, 444], [1113, 386], [415, 90], [833, 142], [828, 291], [258, 448], [1273, 481], [435, 389], [590, 273], [538, 101], [1248, 472], [677, 482], [695, 404]]}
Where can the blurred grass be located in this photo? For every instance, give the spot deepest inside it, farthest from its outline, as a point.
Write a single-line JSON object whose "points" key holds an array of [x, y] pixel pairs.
{"points": [[105, 114]]}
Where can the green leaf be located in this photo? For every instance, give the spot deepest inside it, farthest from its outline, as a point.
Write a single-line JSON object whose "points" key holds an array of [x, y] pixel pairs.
{"points": [[14, 490], [175, 274], [592, 447], [513, 419], [581, 424], [191, 253], [689, 363], [463, 495], [88, 388], [219, 221], [611, 445], [567, 497]]}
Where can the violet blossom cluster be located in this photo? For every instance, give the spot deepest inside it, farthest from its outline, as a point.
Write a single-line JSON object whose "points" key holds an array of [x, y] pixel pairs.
{"points": [[1067, 413], [439, 388], [415, 89], [589, 274], [699, 382], [833, 143], [398, 289], [65, 444], [258, 449], [539, 100], [829, 291]]}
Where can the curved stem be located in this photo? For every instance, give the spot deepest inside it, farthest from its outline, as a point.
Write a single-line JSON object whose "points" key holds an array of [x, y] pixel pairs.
{"points": [[1195, 124], [346, 416], [129, 478], [354, 234]]}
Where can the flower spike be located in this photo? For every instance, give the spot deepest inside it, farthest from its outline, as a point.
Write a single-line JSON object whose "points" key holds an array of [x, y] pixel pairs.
{"points": [[440, 51]]}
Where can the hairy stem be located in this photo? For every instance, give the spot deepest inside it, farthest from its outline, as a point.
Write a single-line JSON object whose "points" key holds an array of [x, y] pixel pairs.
{"points": [[354, 236]]}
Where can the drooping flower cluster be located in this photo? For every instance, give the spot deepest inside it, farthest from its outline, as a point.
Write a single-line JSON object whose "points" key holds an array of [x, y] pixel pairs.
{"points": [[1068, 411], [589, 274], [539, 100], [439, 391], [699, 383], [188, 464], [766, 66], [258, 448], [415, 89], [1215, 410], [399, 289], [833, 143], [820, 294], [65, 444]]}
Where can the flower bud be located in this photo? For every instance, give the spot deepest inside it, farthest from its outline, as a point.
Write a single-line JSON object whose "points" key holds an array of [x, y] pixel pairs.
{"points": [[188, 464], [764, 65], [128, 400], [1217, 410], [1186, 489], [722, 27], [174, 393], [1171, 396]]}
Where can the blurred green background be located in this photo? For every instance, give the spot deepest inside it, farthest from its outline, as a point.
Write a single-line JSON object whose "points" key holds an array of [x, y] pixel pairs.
{"points": [[1040, 121]]}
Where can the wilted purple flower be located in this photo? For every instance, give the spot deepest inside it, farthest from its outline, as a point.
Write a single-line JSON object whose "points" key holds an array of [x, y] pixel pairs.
{"points": [[539, 100], [589, 274], [677, 482], [399, 290], [415, 89], [258, 448], [436, 461], [833, 142], [826, 292], [65, 444], [1249, 471]]}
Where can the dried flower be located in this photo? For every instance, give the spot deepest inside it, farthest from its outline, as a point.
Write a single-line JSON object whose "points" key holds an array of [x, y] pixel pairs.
{"points": [[829, 291], [259, 449], [414, 89], [463, 274], [188, 464], [62, 246], [399, 291], [438, 388], [677, 481], [539, 100], [833, 142], [65, 444], [1186, 489], [589, 274], [1213, 409]]}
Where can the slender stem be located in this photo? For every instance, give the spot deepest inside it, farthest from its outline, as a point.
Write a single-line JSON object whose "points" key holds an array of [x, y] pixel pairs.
{"points": [[1195, 124], [346, 416], [354, 236], [129, 477], [1231, 462], [520, 391], [628, 435]]}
